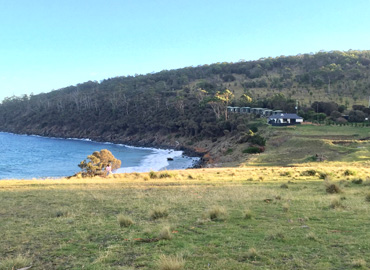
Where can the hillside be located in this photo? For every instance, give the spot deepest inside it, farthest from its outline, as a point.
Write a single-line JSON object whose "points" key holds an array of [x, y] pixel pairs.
{"points": [[185, 108]]}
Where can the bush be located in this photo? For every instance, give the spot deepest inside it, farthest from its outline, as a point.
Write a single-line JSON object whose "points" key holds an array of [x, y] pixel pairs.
{"points": [[357, 181], [258, 140], [152, 175], [349, 172], [98, 161], [308, 173], [165, 175], [252, 150]]}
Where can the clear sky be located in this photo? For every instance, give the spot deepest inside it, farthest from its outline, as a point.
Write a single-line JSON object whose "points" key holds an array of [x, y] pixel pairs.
{"points": [[47, 45]]}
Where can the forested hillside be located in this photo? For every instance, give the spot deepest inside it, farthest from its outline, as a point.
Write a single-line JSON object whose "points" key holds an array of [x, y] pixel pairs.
{"points": [[191, 102]]}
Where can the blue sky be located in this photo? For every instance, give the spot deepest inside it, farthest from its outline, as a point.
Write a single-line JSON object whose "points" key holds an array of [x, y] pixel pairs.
{"points": [[47, 45]]}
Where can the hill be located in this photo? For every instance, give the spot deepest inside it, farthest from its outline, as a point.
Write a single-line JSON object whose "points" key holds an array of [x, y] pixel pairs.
{"points": [[186, 107]]}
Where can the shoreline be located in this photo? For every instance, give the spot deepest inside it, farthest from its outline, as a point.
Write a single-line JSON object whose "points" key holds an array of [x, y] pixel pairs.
{"points": [[186, 159]]}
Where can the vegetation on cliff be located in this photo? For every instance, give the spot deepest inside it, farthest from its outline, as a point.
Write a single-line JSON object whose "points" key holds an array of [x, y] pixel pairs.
{"points": [[191, 102]]}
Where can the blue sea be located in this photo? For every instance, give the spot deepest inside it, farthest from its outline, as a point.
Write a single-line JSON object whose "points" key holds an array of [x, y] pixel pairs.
{"points": [[28, 157]]}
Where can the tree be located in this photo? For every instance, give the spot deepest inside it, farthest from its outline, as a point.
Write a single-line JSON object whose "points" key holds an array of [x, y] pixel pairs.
{"points": [[225, 98], [97, 162], [356, 116]]}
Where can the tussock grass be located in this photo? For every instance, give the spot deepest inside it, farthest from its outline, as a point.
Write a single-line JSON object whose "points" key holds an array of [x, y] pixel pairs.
{"points": [[359, 264], [216, 213], [248, 214], [285, 207], [276, 234], [18, 262], [164, 175], [311, 236], [332, 188], [285, 186], [124, 221], [252, 254], [336, 203], [170, 262], [165, 233], [158, 212]]}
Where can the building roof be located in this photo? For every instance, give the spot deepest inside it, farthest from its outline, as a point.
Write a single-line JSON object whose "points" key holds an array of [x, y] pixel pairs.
{"points": [[285, 116]]}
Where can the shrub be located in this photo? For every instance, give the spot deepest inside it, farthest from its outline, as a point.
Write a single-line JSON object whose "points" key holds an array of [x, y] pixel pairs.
{"points": [[349, 172], [286, 174], [217, 213], [170, 262], [258, 139], [229, 151], [357, 181], [367, 197], [165, 175], [308, 173], [124, 221], [253, 150], [158, 212], [98, 161], [152, 175]]}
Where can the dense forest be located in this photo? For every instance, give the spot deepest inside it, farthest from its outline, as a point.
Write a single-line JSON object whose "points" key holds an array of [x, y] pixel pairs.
{"points": [[191, 101]]}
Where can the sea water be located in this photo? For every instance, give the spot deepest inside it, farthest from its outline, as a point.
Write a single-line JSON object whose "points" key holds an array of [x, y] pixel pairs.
{"points": [[27, 157]]}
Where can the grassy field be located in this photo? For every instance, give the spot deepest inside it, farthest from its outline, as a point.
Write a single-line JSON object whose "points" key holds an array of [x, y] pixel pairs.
{"points": [[306, 143], [230, 218]]}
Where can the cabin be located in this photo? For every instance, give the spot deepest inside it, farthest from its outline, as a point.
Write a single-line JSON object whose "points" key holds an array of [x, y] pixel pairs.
{"points": [[233, 109], [284, 119], [256, 111], [277, 112], [267, 112], [245, 109]]}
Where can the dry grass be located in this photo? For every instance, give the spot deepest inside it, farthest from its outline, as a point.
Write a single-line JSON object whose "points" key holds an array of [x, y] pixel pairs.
{"points": [[171, 262], [158, 212], [124, 221], [165, 233], [18, 262], [216, 213], [86, 232]]}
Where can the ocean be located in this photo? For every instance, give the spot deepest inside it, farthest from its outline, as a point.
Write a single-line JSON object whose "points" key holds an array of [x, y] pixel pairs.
{"points": [[28, 157]]}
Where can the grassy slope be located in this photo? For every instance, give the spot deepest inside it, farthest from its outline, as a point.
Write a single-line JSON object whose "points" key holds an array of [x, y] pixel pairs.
{"points": [[72, 224], [299, 144]]}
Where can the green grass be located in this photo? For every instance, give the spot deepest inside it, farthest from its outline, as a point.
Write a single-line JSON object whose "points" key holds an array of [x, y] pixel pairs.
{"points": [[302, 227], [312, 143]]}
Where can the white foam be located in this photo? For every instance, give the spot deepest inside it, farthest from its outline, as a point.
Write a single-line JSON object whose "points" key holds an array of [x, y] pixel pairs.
{"points": [[153, 162]]}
